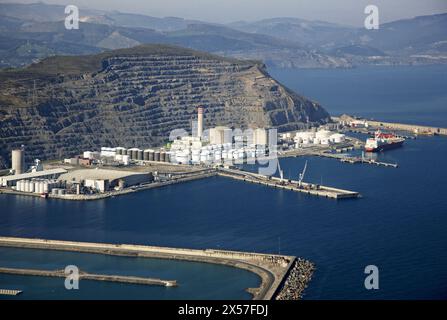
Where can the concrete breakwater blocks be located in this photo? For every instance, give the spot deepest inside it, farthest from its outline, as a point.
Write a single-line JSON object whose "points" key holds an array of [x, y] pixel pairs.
{"points": [[274, 270]]}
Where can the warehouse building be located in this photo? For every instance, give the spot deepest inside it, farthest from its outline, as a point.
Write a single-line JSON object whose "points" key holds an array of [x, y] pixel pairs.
{"points": [[103, 180]]}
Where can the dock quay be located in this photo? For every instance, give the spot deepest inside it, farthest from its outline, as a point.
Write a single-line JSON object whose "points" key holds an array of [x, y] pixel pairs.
{"points": [[272, 269], [354, 160], [416, 129], [424, 130], [292, 185], [178, 178], [10, 292], [89, 276]]}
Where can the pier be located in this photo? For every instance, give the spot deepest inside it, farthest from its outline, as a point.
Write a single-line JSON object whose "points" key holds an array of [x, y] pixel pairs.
{"points": [[89, 276], [273, 269], [354, 160], [416, 129], [292, 185]]}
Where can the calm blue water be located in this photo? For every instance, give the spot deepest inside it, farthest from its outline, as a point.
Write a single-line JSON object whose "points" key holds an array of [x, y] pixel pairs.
{"points": [[195, 280], [407, 94], [399, 224]]}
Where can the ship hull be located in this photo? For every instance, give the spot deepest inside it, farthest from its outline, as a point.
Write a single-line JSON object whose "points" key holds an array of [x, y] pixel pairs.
{"points": [[387, 146]]}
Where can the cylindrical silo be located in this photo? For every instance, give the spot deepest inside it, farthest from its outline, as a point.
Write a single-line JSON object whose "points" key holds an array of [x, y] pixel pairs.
{"points": [[18, 161], [146, 155], [163, 156], [45, 187], [140, 154], [157, 156], [151, 155]]}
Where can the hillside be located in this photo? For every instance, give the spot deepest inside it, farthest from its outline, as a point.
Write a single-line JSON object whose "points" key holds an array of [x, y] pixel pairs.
{"points": [[135, 97]]}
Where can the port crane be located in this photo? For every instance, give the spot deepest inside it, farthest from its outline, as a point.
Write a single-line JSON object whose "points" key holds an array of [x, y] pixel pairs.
{"points": [[301, 175]]}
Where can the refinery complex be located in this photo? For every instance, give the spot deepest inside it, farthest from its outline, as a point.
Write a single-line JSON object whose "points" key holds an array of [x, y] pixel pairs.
{"points": [[114, 170]]}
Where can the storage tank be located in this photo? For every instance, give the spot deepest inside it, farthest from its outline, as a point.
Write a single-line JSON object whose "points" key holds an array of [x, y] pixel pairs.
{"points": [[169, 156], [134, 154], [126, 160], [195, 156], [337, 138], [140, 154], [163, 156], [41, 190], [157, 156], [151, 155], [18, 161], [45, 187], [129, 152], [323, 134], [146, 155]]}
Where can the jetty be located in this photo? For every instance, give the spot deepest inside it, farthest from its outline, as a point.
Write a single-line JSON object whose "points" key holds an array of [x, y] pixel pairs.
{"points": [[273, 269], [355, 160], [90, 276], [292, 185]]}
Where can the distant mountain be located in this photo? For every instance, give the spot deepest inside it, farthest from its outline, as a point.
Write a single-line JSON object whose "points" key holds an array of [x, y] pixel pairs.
{"points": [[30, 32], [411, 36], [27, 41], [411, 41], [305, 32]]}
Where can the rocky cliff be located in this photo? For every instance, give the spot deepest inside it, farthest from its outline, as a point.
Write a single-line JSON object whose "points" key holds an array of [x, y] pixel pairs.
{"points": [[135, 97]]}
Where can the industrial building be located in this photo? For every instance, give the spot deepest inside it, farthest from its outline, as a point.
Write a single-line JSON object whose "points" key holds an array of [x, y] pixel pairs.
{"points": [[103, 180], [10, 181]]}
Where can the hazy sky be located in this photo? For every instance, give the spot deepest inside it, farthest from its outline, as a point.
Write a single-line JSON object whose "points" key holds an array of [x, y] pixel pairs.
{"points": [[341, 11]]}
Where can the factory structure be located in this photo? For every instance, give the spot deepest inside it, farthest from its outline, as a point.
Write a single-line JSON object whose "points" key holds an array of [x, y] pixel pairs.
{"points": [[59, 181], [219, 145]]}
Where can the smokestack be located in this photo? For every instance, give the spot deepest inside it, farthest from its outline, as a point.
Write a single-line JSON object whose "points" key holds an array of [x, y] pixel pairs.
{"points": [[199, 121]]}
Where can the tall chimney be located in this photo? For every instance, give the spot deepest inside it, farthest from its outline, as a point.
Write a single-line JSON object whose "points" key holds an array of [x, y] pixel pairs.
{"points": [[199, 121]]}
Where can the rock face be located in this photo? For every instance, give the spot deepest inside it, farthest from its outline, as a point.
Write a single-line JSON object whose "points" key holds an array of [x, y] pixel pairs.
{"points": [[135, 97]]}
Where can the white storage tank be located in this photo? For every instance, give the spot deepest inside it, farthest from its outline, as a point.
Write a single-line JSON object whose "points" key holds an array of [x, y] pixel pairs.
{"points": [[126, 160], [338, 138], [195, 158], [323, 134], [41, 187], [45, 187]]}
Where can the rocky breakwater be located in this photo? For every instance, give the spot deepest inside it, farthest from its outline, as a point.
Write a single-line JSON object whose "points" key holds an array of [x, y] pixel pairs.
{"points": [[135, 97], [297, 280]]}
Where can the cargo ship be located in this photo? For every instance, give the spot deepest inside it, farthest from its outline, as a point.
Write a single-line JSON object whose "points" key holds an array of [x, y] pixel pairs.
{"points": [[383, 141]]}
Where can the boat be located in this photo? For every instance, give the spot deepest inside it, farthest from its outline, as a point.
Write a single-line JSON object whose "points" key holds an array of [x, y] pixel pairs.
{"points": [[383, 141]]}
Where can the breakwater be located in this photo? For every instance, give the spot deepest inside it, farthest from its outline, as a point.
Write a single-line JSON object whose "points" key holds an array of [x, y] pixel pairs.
{"points": [[272, 269], [90, 276], [297, 280]]}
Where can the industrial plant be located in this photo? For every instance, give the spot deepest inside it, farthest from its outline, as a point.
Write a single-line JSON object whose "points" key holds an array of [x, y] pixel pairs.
{"points": [[113, 170]]}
